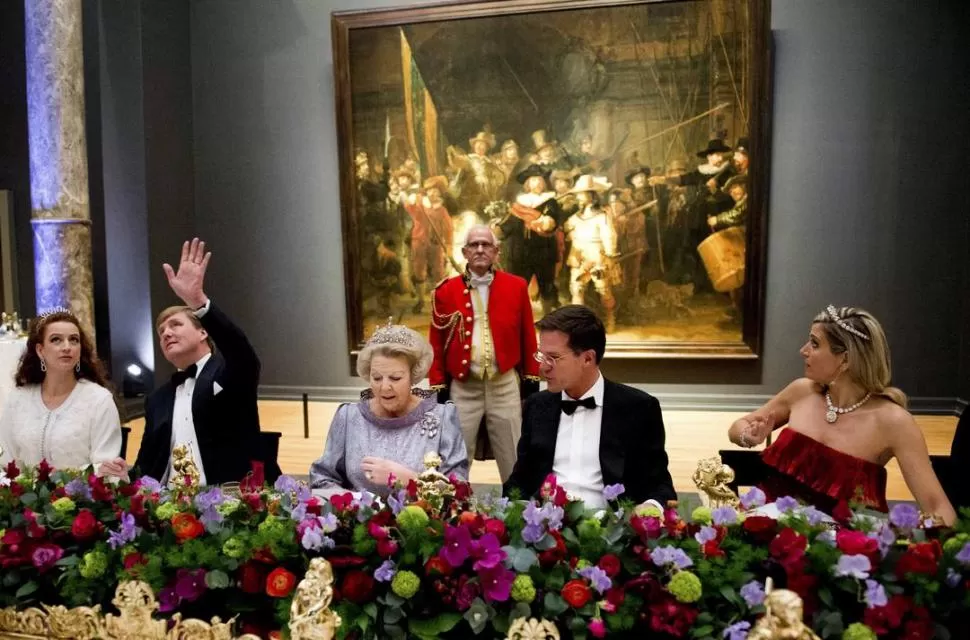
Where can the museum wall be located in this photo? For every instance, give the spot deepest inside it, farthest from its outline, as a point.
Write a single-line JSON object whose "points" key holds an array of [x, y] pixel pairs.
{"points": [[868, 204]]}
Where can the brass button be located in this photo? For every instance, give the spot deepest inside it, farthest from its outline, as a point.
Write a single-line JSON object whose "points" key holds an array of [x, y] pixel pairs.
{"points": [[461, 375], [468, 319], [468, 304], [468, 333], [466, 292], [467, 347], [464, 361]]}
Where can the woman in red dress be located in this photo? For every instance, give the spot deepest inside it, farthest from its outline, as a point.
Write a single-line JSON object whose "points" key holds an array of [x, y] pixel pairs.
{"points": [[845, 423]]}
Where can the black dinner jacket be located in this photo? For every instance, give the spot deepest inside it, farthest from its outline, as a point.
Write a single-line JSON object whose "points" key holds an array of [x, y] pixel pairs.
{"points": [[631, 444], [226, 423]]}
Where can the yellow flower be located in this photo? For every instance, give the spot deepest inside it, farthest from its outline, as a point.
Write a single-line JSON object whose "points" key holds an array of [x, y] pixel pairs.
{"points": [[686, 587]]}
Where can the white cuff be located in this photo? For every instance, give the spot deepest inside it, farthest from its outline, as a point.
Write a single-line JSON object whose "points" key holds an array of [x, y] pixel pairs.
{"points": [[204, 309]]}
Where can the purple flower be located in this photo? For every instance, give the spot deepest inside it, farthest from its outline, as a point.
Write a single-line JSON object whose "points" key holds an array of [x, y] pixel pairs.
{"points": [[533, 533], [724, 516], [875, 595], [286, 484], [45, 555], [532, 514], [812, 515], [904, 516], [667, 555], [754, 498], [885, 537], [206, 502], [396, 500], [493, 504], [786, 504], [553, 516], [127, 533], [457, 547], [328, 522], [705, 535], [496, 583], [753, 593], [854, 566], [597, 577], [385, 572], [953, 579], [148, 484], [77, 488], [189, 584], [489, 552], [613, 491], [963, 557], [737, 631], [168, 600], [313, 539]]}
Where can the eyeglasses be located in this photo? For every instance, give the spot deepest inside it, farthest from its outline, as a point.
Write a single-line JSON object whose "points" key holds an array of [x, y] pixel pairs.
{"points": [[542, 358], [484, 246]]}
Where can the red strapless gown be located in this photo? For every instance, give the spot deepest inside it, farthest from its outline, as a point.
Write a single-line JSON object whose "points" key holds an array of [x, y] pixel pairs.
{"points": [[806, 469]]}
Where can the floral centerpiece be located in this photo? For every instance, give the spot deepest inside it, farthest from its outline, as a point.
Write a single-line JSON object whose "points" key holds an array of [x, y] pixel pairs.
{"points": [[411, 566]]}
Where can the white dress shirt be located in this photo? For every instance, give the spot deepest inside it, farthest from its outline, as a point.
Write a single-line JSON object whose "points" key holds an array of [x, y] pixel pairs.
{"points": [[183, 424], [577, 460]]}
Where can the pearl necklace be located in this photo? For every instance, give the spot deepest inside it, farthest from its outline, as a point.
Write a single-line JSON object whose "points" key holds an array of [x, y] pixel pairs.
{"points": [[833, 413]]}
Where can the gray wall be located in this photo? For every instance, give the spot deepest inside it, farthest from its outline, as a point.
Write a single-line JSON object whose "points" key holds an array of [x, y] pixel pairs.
{"points": [[868, 200]]}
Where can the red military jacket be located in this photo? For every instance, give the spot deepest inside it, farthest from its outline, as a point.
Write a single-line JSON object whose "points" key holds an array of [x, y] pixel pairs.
{"points": [[510, 320]]}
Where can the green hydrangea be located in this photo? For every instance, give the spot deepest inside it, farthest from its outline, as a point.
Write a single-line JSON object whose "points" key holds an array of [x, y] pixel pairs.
{"points": [[523, 589], [93, 564], [858, 631], [685, 586], [166, 510], [955, 544], [648, 511], [273, 528], [234, 548], [590, 529], [405, 584], [228, 506], [701, 515], [412, 518], [63, 505]]}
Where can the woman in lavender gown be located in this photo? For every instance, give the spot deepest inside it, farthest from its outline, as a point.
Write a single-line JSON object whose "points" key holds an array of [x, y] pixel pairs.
{"points": [[384, 437]]}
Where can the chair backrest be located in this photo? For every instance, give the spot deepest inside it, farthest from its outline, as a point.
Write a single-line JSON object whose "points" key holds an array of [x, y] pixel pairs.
{"points": [[124, 441], [749, 470], [954, 483]]}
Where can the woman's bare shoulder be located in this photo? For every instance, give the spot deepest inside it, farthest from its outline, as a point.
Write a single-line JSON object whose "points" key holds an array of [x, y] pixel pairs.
{"points": [[798, 389]]}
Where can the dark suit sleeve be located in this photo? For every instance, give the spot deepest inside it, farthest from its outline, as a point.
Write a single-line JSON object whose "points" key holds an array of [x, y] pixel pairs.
{"points": [[242, 363], [647, 471], [519, 479]]}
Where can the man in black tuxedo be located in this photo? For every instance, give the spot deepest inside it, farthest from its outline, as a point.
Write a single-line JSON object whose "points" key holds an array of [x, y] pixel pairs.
{"points": [[210, 403], [587, 430]]}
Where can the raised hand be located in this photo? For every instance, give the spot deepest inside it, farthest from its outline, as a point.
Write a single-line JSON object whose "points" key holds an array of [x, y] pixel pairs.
{"points": [[187, 282], [759, 428]]}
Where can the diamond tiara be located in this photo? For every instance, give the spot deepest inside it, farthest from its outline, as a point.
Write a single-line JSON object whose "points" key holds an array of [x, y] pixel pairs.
{"points": [[392, 334], [52, 311], [842, 323]]}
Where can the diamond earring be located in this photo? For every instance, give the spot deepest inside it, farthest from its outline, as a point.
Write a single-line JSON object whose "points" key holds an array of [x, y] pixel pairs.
{"points": [[43, 365], [77, 367]]}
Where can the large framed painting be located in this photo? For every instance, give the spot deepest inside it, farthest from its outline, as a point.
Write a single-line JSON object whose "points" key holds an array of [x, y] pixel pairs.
{"points": [[618, 148]]}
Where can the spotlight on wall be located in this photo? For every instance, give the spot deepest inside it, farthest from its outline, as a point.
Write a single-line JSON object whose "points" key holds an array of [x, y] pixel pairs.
{"points": [[134, 384]]}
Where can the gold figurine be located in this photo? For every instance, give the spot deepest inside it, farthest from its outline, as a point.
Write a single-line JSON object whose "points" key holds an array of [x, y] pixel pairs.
{"points": [[185, 475], [783, 617], [712, 478], [310, 614]]}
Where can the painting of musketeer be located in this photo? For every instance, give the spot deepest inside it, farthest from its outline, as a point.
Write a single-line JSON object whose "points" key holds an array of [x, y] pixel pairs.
{"points": [[609, 147]]}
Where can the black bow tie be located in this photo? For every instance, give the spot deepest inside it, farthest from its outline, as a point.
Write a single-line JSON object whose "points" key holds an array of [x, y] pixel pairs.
{"points": [[181, 376], [569, 406]]}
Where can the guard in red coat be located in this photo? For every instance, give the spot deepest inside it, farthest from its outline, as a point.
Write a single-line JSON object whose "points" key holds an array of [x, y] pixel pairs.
{"points": [[484, 341]]}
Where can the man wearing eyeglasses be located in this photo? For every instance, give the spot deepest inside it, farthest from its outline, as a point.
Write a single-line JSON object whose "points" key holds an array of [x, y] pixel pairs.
{"points": [[588, 431], [483, 336]]}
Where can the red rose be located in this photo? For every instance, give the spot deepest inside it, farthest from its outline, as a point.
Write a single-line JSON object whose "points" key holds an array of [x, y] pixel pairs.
{"points": [[127, 490], [647, 527], [497, 528], [357, 586], [556, 554], [437, 566], [12, 538], [712, 549], [920, 558], [134, 560], [671, 617], [279, 583], [45, 555], [805, 586], [340, 562], [788, 548], [857, 543], [761, 528], [186, 526], [252, 577], [615, 596], [884, 619], [85, 526], [610, 564], [387, 547], [576, 593]]}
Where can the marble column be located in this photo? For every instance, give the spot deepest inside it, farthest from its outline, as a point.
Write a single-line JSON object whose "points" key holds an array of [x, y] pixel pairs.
{"points": [[60, 209]]}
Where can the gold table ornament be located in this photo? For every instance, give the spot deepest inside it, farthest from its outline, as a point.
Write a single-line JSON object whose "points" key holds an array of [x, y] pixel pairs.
{"points": [[310, 614], [433, 486], [532, 629], [712, 478], [185, 474]]}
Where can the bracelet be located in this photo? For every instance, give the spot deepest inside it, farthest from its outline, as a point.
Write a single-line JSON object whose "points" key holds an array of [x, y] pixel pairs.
{"points": [[743, 440]]}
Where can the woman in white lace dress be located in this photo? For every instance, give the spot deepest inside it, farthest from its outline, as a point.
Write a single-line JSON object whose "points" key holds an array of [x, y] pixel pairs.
{"points": [[61, 410]]}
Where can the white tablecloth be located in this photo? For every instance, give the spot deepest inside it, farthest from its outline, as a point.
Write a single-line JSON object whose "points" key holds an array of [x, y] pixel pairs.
{"points": [[10, 352]]}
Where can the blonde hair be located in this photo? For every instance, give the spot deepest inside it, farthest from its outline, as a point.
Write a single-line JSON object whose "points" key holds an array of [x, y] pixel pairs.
{"points": [[417, 352], [867, 357], [168, 312]]}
